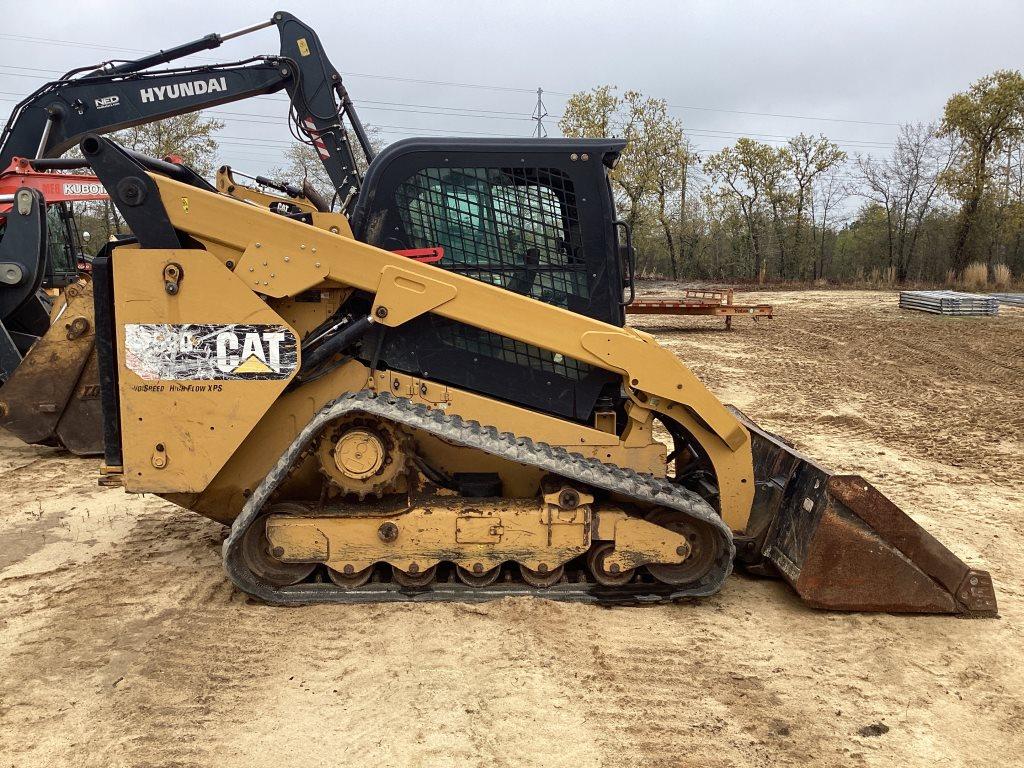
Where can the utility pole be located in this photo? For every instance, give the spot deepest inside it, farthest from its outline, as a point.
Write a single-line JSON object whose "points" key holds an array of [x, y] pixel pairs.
{"points": [[539, 113]]}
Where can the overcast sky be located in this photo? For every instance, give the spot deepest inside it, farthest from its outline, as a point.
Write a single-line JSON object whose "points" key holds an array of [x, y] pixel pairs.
{"points": [[865, 65]]}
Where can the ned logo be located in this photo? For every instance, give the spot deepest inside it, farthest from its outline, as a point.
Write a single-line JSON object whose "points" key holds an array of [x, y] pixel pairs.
{"points": [[205, 352]]}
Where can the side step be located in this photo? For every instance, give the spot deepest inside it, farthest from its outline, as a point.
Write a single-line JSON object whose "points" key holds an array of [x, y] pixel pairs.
{"points": [[843, 545]]}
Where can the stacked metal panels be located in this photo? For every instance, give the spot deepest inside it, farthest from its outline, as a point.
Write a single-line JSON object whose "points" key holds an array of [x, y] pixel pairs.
{"points": [[949, 302], [1016, 299]]}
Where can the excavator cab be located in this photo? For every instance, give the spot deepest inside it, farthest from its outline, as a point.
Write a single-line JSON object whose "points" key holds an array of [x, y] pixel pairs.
{"points": [[64, 246]]}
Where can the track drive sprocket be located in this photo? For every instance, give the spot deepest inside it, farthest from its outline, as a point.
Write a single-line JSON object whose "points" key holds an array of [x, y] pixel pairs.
{"points": [[361, 456]]}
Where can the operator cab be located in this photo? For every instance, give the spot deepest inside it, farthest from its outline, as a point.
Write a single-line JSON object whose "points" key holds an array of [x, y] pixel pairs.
{"points": [[532, 216], [63, 246]]}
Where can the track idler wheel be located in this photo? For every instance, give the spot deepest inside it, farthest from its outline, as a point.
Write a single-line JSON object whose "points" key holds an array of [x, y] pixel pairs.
{"points": [[603, 575], [478, 577], [541, 579], [259, 558], [704, 545], [413, 580]]}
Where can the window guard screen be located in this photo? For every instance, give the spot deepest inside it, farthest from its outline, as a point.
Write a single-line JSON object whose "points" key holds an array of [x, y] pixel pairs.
{"points": [[517, 228]]}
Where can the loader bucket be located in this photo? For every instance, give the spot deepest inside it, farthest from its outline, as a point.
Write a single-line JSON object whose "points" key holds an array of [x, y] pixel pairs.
{"points": [[52, 398], [842, 545]]}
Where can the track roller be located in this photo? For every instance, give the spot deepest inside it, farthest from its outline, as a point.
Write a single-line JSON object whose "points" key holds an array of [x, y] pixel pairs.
{"points": [[541, 579], [350, 579], [478, 577], [413, 580]]}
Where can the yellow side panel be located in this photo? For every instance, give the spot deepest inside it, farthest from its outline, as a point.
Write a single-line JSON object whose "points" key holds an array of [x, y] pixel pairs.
{"points": [[198, 367]]}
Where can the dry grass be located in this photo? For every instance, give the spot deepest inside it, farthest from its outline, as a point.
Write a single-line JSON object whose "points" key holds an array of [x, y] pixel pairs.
{"points": [[975, 276], [882, 278], [1001, 276]]}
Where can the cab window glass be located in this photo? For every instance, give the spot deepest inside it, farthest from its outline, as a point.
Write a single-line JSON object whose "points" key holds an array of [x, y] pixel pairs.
{"points": [[59, 245]]}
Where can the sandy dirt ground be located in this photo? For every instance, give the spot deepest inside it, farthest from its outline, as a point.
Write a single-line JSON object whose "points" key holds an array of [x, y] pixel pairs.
{"points": [[123, 643]]}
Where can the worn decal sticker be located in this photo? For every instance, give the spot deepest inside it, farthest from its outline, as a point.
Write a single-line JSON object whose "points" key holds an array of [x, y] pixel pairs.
{"points": [[179, 352]]}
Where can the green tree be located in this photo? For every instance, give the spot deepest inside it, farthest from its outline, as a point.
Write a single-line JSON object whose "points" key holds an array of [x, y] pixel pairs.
{"points": [[749, 173], [831, 190], [808, 158], [983, 122], [651, 172], [591, 114], [904, 185]]}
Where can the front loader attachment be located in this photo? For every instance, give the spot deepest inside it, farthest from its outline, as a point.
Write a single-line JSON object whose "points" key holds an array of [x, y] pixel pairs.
{"points": [[52, 398], [842, 545]]}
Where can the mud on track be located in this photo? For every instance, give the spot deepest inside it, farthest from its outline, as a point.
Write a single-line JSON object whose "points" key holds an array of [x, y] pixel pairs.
{"points": [[122, 643]]}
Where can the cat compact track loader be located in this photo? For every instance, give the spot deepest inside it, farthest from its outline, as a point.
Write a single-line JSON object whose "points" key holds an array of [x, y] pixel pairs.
{"points": [[373, 428]]}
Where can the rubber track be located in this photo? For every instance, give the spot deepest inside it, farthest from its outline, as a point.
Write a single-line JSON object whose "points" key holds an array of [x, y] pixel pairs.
{"points": [[590, 472]]}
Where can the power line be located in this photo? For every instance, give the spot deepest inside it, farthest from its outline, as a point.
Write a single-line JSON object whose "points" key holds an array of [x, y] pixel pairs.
{"points": [[790, 117], [447, 83], [718, 133]]}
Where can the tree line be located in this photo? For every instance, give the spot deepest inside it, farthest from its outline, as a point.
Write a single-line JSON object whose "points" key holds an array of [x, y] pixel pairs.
{"points": [[946, 202]]}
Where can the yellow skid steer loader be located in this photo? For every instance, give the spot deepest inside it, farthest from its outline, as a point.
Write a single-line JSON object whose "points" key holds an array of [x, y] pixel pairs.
{"points": [[374, 428]]}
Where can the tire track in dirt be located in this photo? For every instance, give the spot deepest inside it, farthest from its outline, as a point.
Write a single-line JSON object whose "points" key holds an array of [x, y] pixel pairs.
{"points": [[123, 643], [428, 685], [856, 360], [139, 643], [661, 692]]}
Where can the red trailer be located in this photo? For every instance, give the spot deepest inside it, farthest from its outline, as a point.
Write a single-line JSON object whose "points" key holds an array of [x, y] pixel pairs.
{"points": [[717, 303]]}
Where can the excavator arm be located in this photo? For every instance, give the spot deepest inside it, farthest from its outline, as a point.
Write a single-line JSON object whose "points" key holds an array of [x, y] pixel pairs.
{"points": [[99, 100], [109, 97]]}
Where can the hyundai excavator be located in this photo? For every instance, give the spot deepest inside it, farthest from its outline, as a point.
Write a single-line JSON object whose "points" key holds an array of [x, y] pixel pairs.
{"points": [[49, 382]]}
